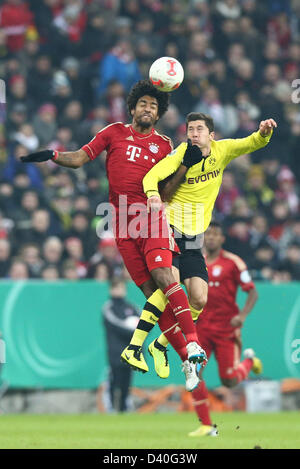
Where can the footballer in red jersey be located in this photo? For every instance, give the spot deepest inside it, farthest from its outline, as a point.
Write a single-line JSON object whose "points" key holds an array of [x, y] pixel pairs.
{"points": [[219, 325], [147, 245]]}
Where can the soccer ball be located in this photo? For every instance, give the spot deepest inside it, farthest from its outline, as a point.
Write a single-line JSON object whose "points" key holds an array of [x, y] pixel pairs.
{"points": [[166, 74]]}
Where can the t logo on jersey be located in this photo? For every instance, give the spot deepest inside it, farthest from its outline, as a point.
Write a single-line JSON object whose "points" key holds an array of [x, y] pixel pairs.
{"points": [[133, 152]]}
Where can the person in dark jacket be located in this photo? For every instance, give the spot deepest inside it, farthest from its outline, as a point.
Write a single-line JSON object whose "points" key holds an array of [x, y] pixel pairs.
{"points": [[120, 320]]}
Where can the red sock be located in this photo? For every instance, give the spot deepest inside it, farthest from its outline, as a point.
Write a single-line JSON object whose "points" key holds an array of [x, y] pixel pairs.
{"points": [[179, 304], [170, 327], [201, 403], [242, 371]]}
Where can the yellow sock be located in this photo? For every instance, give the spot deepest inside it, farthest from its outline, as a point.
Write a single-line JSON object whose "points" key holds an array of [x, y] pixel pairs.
{"points": [[151, 313], [195, 312], [162, 340]]}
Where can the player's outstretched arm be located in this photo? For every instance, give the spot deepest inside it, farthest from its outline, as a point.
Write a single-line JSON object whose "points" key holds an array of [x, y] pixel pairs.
{"points": [[70, 159]]}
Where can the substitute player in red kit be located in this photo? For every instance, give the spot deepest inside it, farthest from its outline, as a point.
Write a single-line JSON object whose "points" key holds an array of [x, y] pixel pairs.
{"points": [[219, 326], [144, 241]]}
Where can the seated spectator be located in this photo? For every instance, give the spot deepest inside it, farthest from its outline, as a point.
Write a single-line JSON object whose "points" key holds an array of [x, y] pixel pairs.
{"points": [[258, 230], [29, 203], [44, 123], [170, 122], [69, 270], [50, 273], [291, 261], [74, 252], [41, 76], [287, 189], [30, 254], [52, 251], [40, 228], [115, 102], [72, 116], [5, 253], [279, 219], [238, 239], [15, 17], [228, 194], [15, 171], [264, 262], [101, 272], [80, 229], [26, 137], [118, 64], [107, 253], [257, 193], [8, 201], [18, 270]]}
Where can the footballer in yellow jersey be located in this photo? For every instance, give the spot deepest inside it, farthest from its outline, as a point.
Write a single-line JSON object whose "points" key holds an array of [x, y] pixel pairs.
{"points": [[191, 194]]}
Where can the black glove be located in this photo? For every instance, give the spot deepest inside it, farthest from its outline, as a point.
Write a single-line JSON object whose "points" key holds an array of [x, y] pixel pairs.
{"points": [[193, 155], [38, 157]]}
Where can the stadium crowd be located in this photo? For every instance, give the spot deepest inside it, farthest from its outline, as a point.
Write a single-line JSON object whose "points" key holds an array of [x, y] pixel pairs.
{"points": [[68, 65]]}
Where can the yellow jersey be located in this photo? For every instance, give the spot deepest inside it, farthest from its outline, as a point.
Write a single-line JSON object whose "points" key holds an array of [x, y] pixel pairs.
{"points": [[190, 209]]}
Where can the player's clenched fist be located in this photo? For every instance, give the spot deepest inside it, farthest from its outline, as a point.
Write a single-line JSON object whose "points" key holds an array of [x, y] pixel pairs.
{"points": [[154, 204], [193, 155], [266, 127]]}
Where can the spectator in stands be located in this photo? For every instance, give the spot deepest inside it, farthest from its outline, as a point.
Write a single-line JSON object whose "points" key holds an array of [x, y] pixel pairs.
{"points": [[287, 190], [280, 215], [257, 193], [101, 272], [41, 76], [227, 195], [50, 273], [18, 270], [74, 252], [5, 253], [119, 64], [69, 270], [30, 254], [291, 261], [40, 228], [264, 261], [52, 250], [45, 123], [15, 18]]}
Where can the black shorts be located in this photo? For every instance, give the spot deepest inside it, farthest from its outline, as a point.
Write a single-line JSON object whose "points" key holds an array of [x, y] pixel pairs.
{"points": [[190, 262]]}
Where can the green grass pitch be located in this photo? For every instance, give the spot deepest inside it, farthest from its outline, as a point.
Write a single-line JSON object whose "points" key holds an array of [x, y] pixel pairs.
{"points": [[155, 431]]}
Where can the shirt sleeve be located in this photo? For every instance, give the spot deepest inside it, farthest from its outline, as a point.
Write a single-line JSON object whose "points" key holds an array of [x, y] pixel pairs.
{"points": [[243, 278], [233, 148], [163, 169], [99, 143]]}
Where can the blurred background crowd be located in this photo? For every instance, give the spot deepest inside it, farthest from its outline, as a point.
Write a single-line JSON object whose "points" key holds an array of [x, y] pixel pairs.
{"points": [[68, 66]]}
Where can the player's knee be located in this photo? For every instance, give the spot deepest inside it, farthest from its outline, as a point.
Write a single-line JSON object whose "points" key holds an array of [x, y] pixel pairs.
{"points": [[163, 277], [198, 301], [229, 382]]}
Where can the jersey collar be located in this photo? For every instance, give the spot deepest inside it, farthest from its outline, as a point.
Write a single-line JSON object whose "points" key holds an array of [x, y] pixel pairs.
{"points": [[139, 135]]}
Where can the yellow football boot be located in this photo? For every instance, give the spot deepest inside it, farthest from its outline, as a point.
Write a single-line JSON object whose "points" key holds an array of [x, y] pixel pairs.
{"points": [[257, 366], [135, 359], [204, 430], [160, 358]]}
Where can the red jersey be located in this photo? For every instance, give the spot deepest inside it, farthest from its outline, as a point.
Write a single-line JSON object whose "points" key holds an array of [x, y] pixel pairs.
{"points": [[130, 155], [225, 274]]}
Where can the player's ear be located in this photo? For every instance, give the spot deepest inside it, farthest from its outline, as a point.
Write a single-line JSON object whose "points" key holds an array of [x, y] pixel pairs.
{"points": [[212, 136]]}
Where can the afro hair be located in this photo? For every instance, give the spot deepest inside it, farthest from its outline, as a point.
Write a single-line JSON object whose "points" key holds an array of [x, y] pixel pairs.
{"points": [[145, 88]]}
